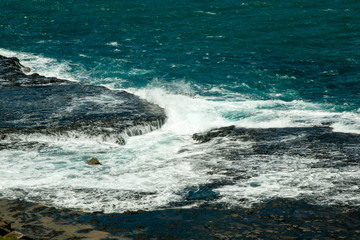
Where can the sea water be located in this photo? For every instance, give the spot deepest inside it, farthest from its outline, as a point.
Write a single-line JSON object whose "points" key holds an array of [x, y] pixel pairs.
{"points": [[209, 64]]}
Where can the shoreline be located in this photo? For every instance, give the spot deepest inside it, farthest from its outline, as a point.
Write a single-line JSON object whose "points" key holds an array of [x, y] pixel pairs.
{"points": [[275, 219]]}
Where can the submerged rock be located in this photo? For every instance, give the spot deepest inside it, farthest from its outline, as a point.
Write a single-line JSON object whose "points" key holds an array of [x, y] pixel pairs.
{"points": [[34, 104]]}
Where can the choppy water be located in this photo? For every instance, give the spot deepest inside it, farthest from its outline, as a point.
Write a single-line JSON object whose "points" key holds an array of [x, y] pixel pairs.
{"points": [[253, 64]]}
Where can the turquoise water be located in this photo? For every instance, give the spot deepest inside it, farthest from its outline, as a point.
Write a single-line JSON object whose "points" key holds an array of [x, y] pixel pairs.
{"points": [[208, 63], [287, 50]]}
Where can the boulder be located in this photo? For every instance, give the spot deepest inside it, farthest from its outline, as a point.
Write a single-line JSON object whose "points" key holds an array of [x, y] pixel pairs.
{"points": [[26, 69], [14, 234], [94, 161]]}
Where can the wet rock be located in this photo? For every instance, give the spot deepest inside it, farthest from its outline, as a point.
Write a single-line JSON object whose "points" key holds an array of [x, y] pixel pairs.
{"points": [[12, 74], [275, 219], [318, 142], [219, 132], [14, 234], [94, 161], [245, 155], [5, 227], [34, 104]]}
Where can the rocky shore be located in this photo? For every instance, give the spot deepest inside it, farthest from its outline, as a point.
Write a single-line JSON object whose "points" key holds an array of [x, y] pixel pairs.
{"points": [[276, 219], [37, 105], [33, 106]]}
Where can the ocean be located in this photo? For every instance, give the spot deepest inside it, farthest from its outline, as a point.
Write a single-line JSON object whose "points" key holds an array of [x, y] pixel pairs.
{"points": [[282, 71]]}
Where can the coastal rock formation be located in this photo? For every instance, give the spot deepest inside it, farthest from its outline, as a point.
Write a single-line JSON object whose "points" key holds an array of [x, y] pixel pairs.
{"points": [[317, 142], [305, 160], [34, 104]]}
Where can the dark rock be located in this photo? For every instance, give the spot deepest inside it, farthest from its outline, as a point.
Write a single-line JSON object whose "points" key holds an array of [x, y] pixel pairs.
{"points": [[219, 132], [282, 218], [94, 161], [34, 104], [245, 153], [11, 74], [5, 227], [318, 142]]}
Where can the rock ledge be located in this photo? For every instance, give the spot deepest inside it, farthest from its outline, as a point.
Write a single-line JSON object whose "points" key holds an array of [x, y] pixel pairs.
{"points": [[33, 105]]}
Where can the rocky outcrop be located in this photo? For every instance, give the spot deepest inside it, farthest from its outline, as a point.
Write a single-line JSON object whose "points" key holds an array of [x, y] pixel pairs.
{"points": [[34, 104], [318, 142], [12, 74]]}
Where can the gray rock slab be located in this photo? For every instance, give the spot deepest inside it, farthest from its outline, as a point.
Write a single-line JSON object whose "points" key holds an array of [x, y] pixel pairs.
{"points": [[34, 104]]}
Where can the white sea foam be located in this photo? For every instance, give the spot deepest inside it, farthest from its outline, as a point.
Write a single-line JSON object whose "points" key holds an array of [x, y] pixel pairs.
{"points": [[190, 114], [45, 66], [322, 185], [139, 175], [203, 12], [114, 44], [186, 115], [136, 71]]}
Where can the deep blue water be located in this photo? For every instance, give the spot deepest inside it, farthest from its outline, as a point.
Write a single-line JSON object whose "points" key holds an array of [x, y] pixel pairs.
{"points": [[299, 50], [208, 63]]}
